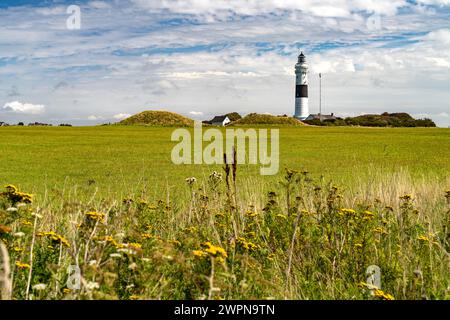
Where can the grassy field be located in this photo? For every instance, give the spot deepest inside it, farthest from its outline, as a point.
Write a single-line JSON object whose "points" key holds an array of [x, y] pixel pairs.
{"points": [[114, 158], [109, 200]]}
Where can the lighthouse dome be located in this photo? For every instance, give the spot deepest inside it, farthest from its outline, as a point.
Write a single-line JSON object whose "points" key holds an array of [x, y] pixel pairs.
{"points": [[301, 58]]}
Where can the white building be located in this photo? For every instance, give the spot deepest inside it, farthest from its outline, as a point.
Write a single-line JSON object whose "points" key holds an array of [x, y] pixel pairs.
{"points": [[220, 121], [301, 88]]}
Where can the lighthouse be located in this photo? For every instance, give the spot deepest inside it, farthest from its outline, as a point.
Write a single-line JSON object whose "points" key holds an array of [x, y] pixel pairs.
{"points": [[301, 88]]}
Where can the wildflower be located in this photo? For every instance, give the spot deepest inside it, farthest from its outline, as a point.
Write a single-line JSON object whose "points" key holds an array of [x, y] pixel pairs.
{"points": [[358, 245], [247, 245], [199, 253], [423, 238], [346, 212], [55, 238], [26, 223], [147, 236], [175, 242], [213, 250], [40, 287], [191, 230], [380, 230], [135, 246], [382, 295], [367, 215], [127, 201], [21, 265], [215, 177], [251, 213], [67, 291], [90, 286], [4, 229], [12, 209], [133, 266], [15, 196], [115, 255], [19, 234], [191, 181], [406, 197], [96, 216]]}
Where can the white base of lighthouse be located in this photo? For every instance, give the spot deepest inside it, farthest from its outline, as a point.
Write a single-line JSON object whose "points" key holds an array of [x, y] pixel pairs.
{"points": [[301, 108]]}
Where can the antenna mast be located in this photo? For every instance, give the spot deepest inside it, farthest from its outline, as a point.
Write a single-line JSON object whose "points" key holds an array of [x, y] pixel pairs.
{"points": [[320, 97]]}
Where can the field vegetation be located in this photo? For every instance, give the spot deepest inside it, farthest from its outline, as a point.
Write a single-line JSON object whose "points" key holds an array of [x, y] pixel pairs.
{"points": [[108, 201]]}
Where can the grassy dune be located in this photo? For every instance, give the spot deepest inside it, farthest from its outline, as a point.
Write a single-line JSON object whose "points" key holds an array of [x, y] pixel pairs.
{"points": [[109, 200]]}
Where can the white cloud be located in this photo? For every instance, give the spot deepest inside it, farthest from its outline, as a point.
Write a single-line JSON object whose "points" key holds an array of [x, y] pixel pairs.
{"points": [[94, 118], [444, 114], [196, 113], [25, 108], [121, 116]]}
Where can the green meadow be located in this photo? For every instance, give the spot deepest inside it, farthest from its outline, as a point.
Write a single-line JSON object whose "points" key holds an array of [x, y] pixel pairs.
{"points": [[113, 158], [346, 201]]}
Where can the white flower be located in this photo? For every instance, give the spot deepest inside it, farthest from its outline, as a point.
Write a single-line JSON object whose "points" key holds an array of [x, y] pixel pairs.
{"points": [[92, 262], [126, 251], [132, 266], [36, 215], [92, 285], [40, 286], [190, 181], [12, 209], [19, 234], [115, 255]]}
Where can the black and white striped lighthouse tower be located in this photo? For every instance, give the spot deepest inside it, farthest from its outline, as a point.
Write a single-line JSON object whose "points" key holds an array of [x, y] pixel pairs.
{"points": [[301, 88]]}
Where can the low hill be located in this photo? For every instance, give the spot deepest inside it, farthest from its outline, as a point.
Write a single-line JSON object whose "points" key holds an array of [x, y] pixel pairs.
{"points": [[389, 120], [376, 120], [158, 119], [265, 119]]}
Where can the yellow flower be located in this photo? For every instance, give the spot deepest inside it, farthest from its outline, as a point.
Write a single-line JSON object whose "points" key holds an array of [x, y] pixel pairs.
{"points": [[14, 195], [247, 245], [423, 238], [271, 256], [380, 230], [175, 242], [54, 237], [21, 265], [96, 216], [199, 253], [358, 245], [367, 215], [135, 246], [406, 197], [382, 295], [191, 230], [347, 212], [213, 250], [251, 213]]}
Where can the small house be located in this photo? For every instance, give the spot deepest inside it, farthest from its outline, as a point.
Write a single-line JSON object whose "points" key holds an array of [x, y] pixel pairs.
{"points": [[221, 121], [321, 117]]}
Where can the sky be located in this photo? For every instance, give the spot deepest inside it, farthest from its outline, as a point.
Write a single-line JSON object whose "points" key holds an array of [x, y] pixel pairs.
{"points": [[202, 58]]}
